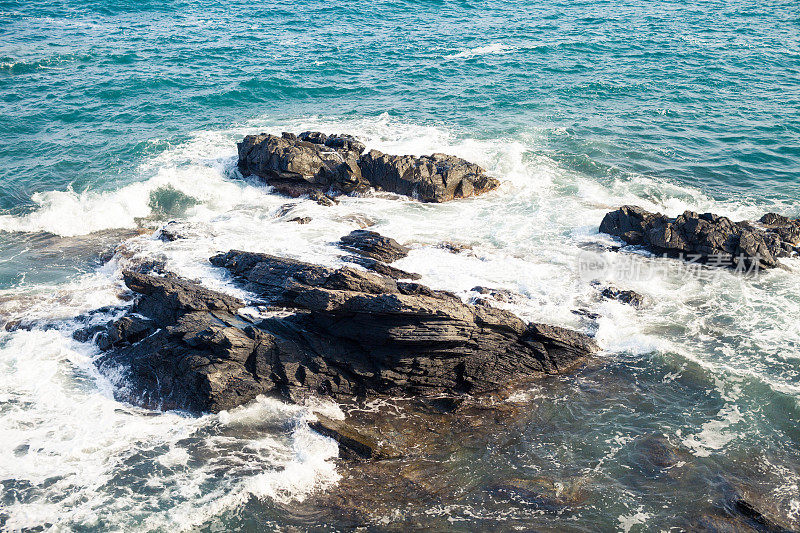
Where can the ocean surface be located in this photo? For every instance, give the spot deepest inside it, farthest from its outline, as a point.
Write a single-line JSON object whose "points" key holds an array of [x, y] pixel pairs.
{"points": [[118, 116]]}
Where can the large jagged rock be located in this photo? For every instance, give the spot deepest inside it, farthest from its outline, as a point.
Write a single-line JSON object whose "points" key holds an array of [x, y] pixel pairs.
{"points": [[298, 165], [430, 178], [343, 333], [313, 162], [707, 237]]}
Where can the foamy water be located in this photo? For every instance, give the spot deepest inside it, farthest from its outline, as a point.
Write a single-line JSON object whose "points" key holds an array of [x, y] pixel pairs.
{"points": [[74, 458]]}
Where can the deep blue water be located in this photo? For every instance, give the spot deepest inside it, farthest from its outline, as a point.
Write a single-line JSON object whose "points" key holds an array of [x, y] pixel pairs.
{"points": [[118, 115], [703, 93]]}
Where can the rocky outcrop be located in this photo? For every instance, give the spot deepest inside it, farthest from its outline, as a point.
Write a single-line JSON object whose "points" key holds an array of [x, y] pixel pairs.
{"points": [[313, 163], [341, 332], [373, 245], [298, 165], [373, 251], [430, 178], [707, 238], [611, 292]]}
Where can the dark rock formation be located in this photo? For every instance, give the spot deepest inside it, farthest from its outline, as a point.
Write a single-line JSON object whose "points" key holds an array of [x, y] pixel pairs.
{"points": [[298, 165], [348, 334], [312, 161], [585, 312], [373, 245], [708, 238], [381, 268], [430, 178], [629, 297], [374, 251]]}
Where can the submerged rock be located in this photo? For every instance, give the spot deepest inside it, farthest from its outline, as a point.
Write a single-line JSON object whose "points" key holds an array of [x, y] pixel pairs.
{"points": [[363, 443], [454, 247], [757, 509], [707, 238], [298, 165], [544, 493], [345, 333]]}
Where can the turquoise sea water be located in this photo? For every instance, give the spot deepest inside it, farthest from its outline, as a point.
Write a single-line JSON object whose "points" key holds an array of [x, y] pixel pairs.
{"points": [[116, 116]]}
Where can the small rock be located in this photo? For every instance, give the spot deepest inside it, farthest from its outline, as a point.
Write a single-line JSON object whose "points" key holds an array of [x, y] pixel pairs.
{"points": [[284, 210], [322, 199], [629, 297], [454, 247], [362, 221], [300, 220], [172, 231], [374, 245], [500, 295], [545, 493], [585, 312]]}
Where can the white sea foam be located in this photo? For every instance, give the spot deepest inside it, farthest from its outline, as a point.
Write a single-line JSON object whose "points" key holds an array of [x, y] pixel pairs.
{"points": [[76, 457], [628, 522], [62, 424], [493, 48]]}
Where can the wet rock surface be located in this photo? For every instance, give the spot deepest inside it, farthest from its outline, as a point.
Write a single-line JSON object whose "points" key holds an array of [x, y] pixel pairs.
{"points": [[373, 245], [342, 333], [374, 251], [708, 238], [431, 178], [355, 442], [313, 162], [435, 438], [382, 268], [755, 510], [625, 296], [172, 231], [298, 165]]}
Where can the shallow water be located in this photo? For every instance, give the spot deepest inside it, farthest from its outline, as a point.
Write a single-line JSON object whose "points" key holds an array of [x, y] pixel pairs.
{"points": [[116, 117]]}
